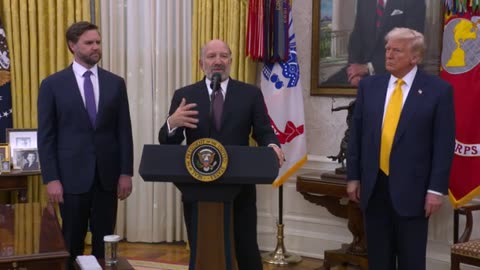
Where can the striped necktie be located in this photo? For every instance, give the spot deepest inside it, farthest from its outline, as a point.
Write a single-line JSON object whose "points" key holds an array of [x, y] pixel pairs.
{"points": [[390, 123], [379, 11]]}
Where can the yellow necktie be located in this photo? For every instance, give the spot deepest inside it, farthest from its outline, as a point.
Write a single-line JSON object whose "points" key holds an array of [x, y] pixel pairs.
{"points": [[394, 109]]}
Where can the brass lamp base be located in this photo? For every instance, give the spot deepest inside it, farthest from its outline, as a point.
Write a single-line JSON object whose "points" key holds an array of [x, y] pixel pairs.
{"points": [[280, 256]]}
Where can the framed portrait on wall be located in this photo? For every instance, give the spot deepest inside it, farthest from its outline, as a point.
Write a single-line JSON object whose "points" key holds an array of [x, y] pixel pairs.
{"points": [[348, 39]]}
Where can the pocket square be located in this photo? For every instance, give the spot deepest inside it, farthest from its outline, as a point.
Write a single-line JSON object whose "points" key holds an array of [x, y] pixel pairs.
{"points": [[396, 12]]}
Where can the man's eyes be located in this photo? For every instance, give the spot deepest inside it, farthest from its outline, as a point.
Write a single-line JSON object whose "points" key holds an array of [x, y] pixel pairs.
{"points": [[213, 56]]}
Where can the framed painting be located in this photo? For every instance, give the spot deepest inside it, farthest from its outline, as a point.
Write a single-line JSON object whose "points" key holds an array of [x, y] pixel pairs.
{"points": [[348, 40]]}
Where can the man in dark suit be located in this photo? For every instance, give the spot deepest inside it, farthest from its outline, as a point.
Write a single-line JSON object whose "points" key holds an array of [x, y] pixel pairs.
{"points": [[366, 47], [400, 152], [243, 110], [85, 142]]}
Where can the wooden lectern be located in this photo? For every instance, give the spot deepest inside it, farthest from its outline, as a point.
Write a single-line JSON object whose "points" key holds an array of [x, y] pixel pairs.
{"points": [[212, 246]]}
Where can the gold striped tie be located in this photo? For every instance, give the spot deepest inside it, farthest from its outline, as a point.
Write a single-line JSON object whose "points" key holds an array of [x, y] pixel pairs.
{"points": [[394, 109]]}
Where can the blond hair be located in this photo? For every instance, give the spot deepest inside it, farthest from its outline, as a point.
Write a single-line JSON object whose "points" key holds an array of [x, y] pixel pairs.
{"points": [[416, 40]]}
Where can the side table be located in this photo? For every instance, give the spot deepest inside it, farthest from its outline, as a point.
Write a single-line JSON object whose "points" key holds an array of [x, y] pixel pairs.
{"points": [[327, 189]]}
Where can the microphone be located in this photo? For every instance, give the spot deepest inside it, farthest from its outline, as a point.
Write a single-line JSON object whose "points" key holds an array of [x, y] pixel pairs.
{"points": [[215, 83]]}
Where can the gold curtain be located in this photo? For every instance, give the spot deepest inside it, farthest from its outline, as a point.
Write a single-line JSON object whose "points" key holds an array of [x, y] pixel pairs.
{"points": [[35, 31], [225, 20]]}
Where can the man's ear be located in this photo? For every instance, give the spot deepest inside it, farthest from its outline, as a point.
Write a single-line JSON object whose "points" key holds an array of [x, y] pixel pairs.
{"points": [[70, 46], [415, 59]]}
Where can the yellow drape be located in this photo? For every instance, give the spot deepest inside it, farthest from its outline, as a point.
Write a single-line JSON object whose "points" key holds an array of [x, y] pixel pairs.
{"points": [[35, 31], [225, 20]]}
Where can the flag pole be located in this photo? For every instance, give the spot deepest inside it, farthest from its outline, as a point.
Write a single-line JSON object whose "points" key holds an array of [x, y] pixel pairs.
{"points": [[280, 256]]}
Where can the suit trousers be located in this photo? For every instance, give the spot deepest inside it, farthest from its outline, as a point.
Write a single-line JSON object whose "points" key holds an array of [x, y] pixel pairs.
{"points": [[244, 226], [97, 210], [393, 241]]}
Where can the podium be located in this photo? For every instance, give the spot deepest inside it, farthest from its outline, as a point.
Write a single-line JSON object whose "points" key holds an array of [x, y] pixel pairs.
{"points": [[212, 245]]}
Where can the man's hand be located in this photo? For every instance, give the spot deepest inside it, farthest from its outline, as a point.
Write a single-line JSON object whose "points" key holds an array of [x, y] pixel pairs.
{"points": [[124, 187], [354, 70], [353, 190], [184, 116], [432, 203], [55, 191], [280, 154], [355, 81]]}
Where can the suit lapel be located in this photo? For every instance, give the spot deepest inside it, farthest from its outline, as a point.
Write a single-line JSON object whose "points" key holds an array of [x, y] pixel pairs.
{"points": [[390, 6], [232, 95], [102, 91], [203, 104], [412, 102], [378, 99]]}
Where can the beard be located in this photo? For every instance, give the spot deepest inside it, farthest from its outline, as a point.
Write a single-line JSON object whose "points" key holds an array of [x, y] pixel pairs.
{"points": [[90, 59]]}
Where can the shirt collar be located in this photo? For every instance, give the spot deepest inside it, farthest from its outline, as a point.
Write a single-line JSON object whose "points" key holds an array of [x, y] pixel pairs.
{"points": [[79, 70], [407, 79], [223, 85]]}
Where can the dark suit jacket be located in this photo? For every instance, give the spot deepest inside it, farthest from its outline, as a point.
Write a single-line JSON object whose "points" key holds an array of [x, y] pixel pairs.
{"points": [[243, 109], [423, 146], [70, 148], [367, 43]]}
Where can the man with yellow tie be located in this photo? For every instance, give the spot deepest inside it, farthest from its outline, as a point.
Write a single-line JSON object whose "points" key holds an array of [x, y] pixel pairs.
{"points": [[399, 153]]}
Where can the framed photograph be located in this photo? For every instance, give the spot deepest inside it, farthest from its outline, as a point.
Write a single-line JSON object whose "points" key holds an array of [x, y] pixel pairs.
{"points": [[26, 159], [21, 139], [4, 154], [347, 32], [5, 166]]}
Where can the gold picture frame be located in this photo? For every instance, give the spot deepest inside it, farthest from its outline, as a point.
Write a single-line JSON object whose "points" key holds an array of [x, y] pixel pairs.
{"points": [[4, 152]]}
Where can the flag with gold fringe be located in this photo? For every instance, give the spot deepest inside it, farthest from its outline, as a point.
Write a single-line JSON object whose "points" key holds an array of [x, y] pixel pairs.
{"points": [[460, 67], [282, 89], [6, 119]]}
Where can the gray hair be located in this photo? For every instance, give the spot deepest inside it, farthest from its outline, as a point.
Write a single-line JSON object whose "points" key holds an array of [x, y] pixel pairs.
{"points": [[416, 39]]}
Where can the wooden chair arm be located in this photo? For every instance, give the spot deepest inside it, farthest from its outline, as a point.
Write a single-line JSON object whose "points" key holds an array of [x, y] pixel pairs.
{"points": [[467, 232]]}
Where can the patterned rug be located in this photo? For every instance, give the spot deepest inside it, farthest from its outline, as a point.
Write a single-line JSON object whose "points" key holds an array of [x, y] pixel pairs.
{"points": [[156, 265]]}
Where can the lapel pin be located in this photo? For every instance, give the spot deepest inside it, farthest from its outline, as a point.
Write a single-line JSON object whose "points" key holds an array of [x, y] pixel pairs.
{"points": [[420, 91]]}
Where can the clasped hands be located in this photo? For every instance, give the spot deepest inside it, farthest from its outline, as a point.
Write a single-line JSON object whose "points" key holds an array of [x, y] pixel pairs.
{"points": [[355, 72]]}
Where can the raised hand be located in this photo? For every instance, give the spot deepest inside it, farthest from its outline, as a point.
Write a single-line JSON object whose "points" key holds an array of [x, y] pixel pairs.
{"points": [[184, 116]]}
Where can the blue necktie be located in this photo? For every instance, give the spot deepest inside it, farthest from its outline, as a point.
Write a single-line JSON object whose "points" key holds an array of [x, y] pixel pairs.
{"points": [[89, 97], [217, 108]]}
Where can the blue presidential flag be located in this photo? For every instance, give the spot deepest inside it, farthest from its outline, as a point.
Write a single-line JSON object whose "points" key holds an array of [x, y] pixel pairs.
{"points": [[6, 119]]}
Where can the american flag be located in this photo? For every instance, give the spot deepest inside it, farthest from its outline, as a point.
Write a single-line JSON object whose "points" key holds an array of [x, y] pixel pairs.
{"points": [[6, 119]]}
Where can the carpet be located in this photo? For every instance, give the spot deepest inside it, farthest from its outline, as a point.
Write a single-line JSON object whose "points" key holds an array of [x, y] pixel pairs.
{"points": [[156, 265]]}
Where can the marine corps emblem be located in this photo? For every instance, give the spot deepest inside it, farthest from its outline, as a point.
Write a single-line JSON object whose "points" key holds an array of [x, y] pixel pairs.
{"points": [[206, 159]]}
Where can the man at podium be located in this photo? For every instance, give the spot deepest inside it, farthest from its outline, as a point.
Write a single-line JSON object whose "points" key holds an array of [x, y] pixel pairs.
{"points": [[227, 110]]}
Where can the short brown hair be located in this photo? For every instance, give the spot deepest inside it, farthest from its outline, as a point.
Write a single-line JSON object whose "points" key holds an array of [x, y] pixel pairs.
{"points": [[77, 29]]}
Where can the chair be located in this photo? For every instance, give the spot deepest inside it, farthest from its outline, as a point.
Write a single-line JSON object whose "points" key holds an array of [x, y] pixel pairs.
{"points": [[464, 250]]}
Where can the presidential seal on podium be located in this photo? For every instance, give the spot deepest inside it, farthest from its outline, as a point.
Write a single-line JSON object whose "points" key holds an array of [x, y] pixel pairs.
{"points": [[206, 160]]}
